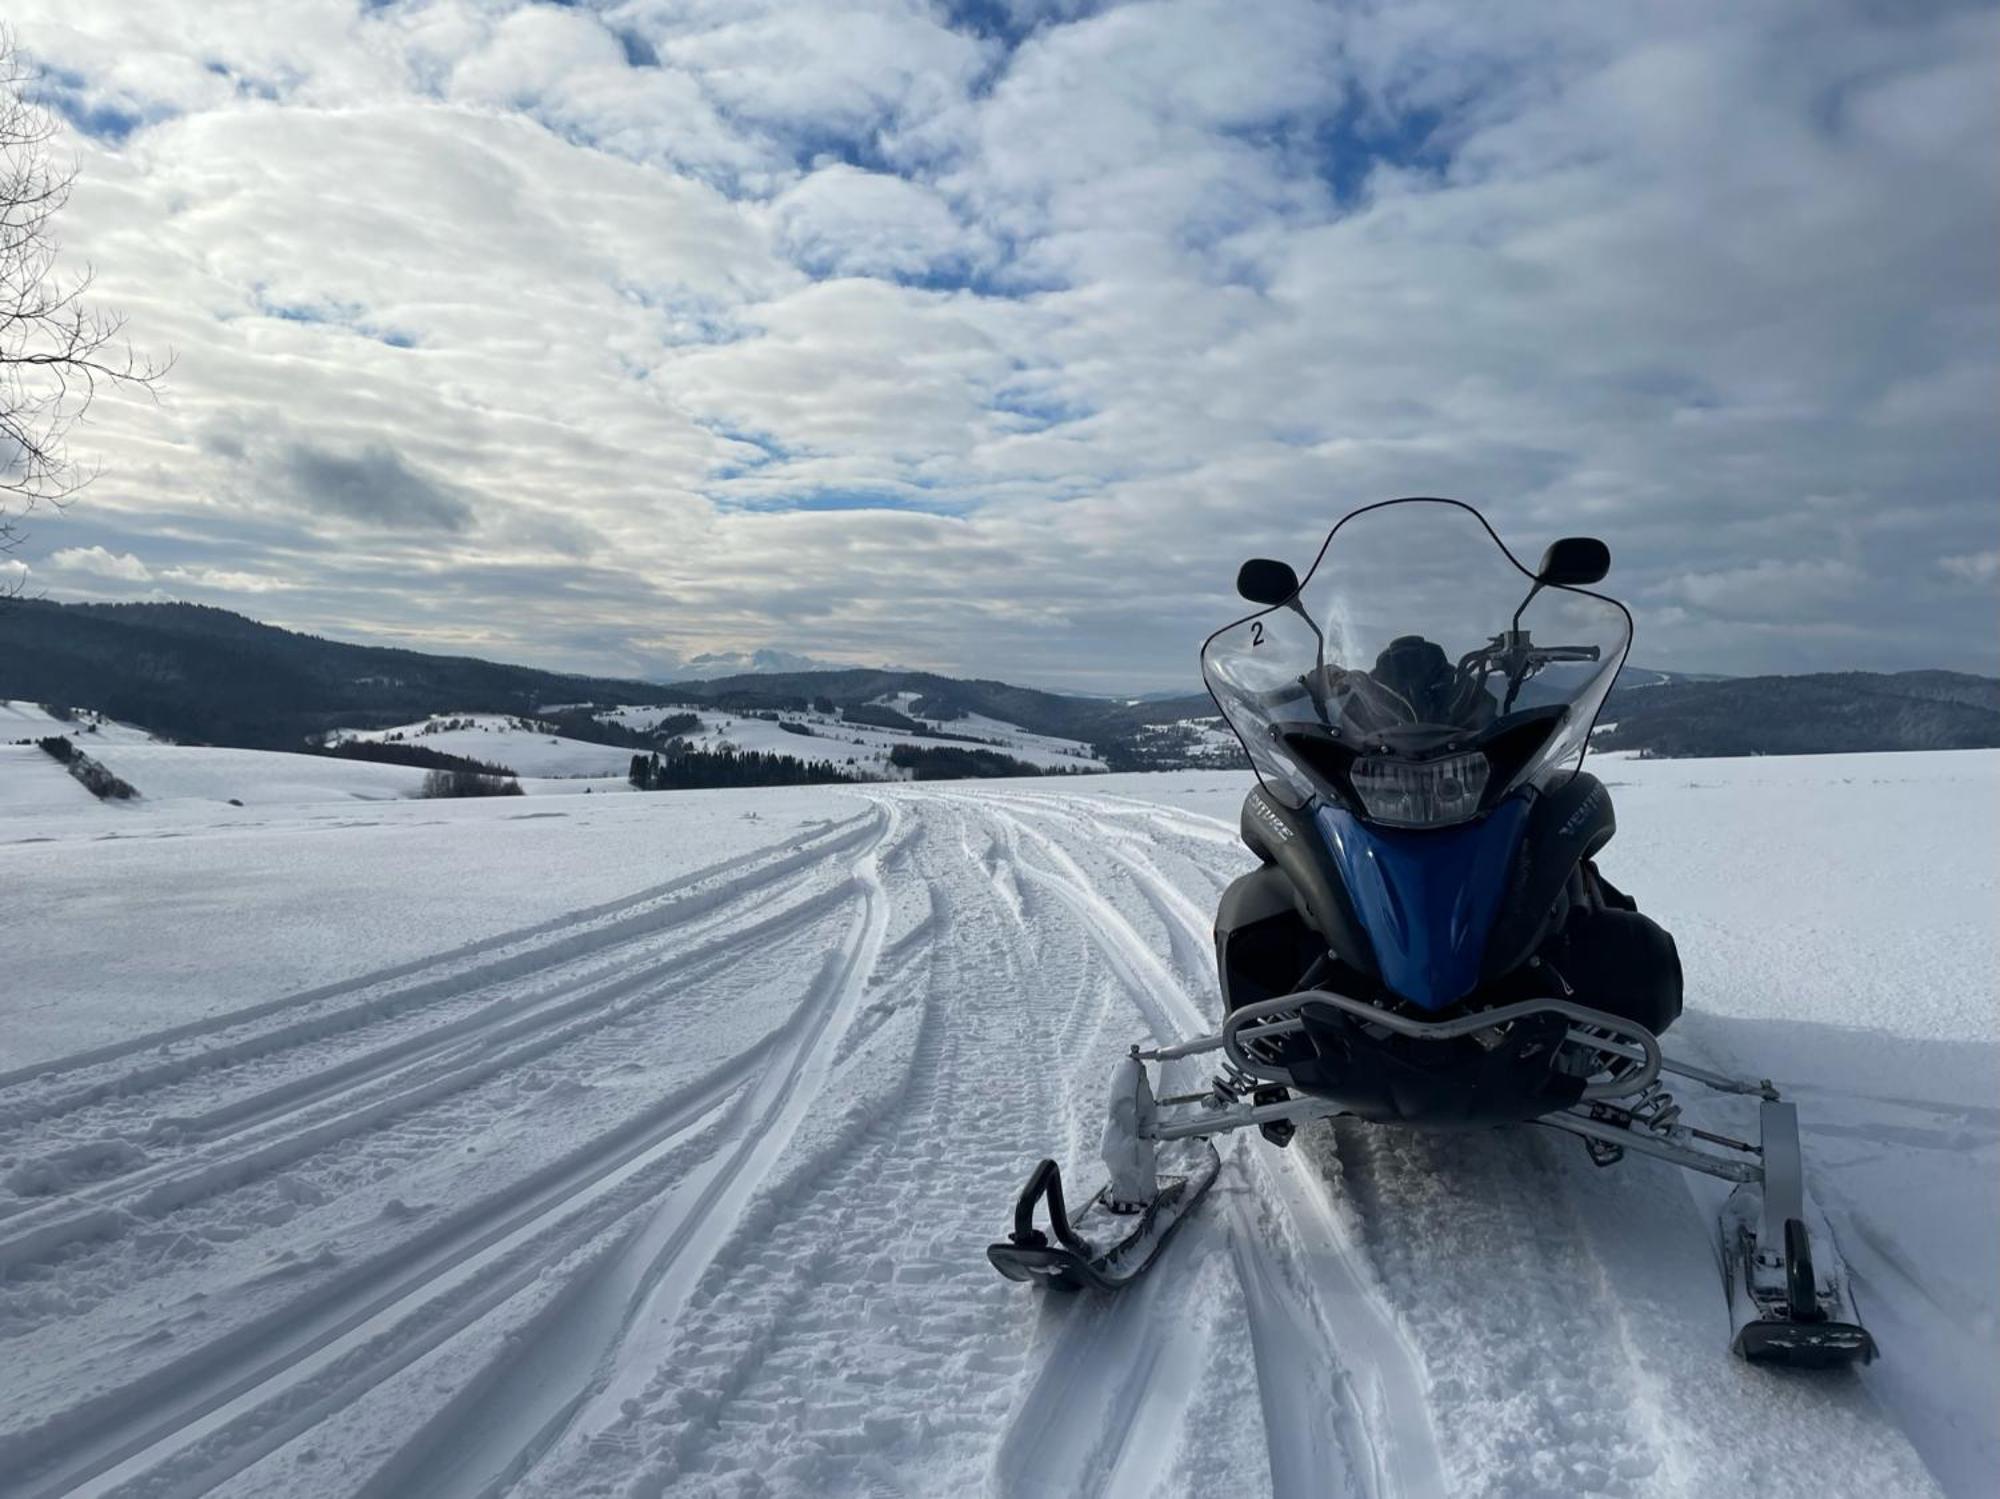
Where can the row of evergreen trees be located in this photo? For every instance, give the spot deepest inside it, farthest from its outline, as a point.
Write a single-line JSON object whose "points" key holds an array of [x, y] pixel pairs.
{"points": [[950, 763], [94, 776], [678, 768]]}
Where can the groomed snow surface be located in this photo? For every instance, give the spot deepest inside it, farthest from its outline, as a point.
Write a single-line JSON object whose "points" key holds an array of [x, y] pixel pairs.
{"points": [[650, 1145]]}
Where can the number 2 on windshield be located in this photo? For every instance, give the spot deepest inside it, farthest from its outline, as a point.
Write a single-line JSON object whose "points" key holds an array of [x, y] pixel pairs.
{"points": [[1256, 632]]}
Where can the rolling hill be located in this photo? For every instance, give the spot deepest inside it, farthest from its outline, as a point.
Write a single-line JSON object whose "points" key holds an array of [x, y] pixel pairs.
{"points": [[203, 675], [208, 676], [1829, 713]]}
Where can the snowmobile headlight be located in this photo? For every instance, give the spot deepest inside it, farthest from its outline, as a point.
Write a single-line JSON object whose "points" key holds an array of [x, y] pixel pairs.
{"points": [[1419, 793]]}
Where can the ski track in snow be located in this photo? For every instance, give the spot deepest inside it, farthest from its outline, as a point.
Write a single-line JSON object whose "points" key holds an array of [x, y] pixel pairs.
{"points": [[687, 1194]]}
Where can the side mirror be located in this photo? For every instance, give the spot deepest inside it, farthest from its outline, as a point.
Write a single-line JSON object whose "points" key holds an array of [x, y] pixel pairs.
{"points": [[1263, 581], [1573, 562]]}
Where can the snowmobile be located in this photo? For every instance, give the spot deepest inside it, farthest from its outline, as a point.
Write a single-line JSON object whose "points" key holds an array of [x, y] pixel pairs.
{"points": [[1427, 940]]}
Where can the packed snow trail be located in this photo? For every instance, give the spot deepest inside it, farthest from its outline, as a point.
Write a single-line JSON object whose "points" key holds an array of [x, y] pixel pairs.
{"points": [[688, 1193]]}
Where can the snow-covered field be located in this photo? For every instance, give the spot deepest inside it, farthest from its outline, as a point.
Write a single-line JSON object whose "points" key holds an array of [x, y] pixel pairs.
{"points": [[863, 747], [19, 720], [650, 1145], [499, 739], [166, 775], [861, 750]]}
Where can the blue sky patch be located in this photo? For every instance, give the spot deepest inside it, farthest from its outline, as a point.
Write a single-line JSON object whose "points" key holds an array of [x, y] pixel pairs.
{"points": [[1351, 144], [350, 317], [69, 95]]}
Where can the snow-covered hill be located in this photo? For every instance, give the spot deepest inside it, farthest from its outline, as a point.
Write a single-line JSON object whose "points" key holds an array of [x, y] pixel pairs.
{"points": [[520, 744], [650, 1145], [32, 782], [861, 750], [20, 720], [864, 748], [546, 763]]}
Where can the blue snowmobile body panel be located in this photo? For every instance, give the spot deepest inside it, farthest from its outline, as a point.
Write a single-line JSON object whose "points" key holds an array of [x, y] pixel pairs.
{"points": [[1427, 897]]}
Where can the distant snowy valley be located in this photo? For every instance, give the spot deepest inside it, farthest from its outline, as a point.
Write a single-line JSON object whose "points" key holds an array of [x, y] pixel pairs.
{"points": [[530, 750]]}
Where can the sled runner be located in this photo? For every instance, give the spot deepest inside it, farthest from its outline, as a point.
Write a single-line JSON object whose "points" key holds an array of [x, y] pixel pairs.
{"points": [[1428, 941], [1105, 1247]]}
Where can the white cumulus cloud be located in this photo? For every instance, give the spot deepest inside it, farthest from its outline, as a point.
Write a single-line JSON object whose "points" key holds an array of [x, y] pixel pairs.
{"points": [[96, 562]]}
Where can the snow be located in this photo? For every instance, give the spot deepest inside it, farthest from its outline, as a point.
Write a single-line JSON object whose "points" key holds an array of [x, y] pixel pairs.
{"points": [[32, 780], [862, 748], [547, 764], [518, 744], [1205, 739], [1037, 749], [168, 775], [19, 720], [643, 716], [649, 1144], [868, 747], [175, 772]]}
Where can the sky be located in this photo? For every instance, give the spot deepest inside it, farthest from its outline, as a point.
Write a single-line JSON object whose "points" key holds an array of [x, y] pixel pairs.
{"points": [[990, 336]]}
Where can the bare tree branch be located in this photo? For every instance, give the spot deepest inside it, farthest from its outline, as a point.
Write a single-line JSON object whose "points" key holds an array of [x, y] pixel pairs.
{"points": [[55, 348]]}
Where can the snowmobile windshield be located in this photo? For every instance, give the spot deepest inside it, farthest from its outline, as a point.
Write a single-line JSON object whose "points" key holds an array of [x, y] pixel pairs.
{"points": [[1412, 679]]}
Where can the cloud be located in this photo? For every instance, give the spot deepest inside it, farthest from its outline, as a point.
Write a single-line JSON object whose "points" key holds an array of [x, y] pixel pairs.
{"points": [[219, 580], [987, 336], [1766, 590], [844, 221], [1976, 567], [96, 562], [373, 485], [833, 69], [535, 52]]}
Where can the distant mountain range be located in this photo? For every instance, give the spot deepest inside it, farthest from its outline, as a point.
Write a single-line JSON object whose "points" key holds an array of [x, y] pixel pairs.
{"points": [[1825, 713], [208, 676], [1642, 676], [205, 675], [742, 663]]}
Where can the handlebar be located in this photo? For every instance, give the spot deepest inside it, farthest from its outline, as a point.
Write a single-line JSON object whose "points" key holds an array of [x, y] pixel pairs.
{"points": [[1277, 697], [1530, 658]]}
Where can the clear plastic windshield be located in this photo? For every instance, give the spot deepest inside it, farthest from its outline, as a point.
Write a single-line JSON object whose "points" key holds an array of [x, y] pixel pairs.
{"points": [[1402, 649]]}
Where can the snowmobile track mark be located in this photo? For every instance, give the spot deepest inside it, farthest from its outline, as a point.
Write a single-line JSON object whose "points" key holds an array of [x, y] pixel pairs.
{"points": [[653, 1137], [654, 1274], [537, 948], [231, 1160], [1345, 1298], [1101, 1415], [177, 1402]]}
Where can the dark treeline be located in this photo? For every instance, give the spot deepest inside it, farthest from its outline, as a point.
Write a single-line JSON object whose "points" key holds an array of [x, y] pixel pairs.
{"points": [[880, 716], [94, 777], [584, 724], [954, 764], [677, 768], [457, 783], [394, 753]]}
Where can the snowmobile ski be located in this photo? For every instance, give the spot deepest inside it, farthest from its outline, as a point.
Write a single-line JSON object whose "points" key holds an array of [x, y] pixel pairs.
{"points": [[1788, 1303], [1788, 1312], [1105, 1246]]}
